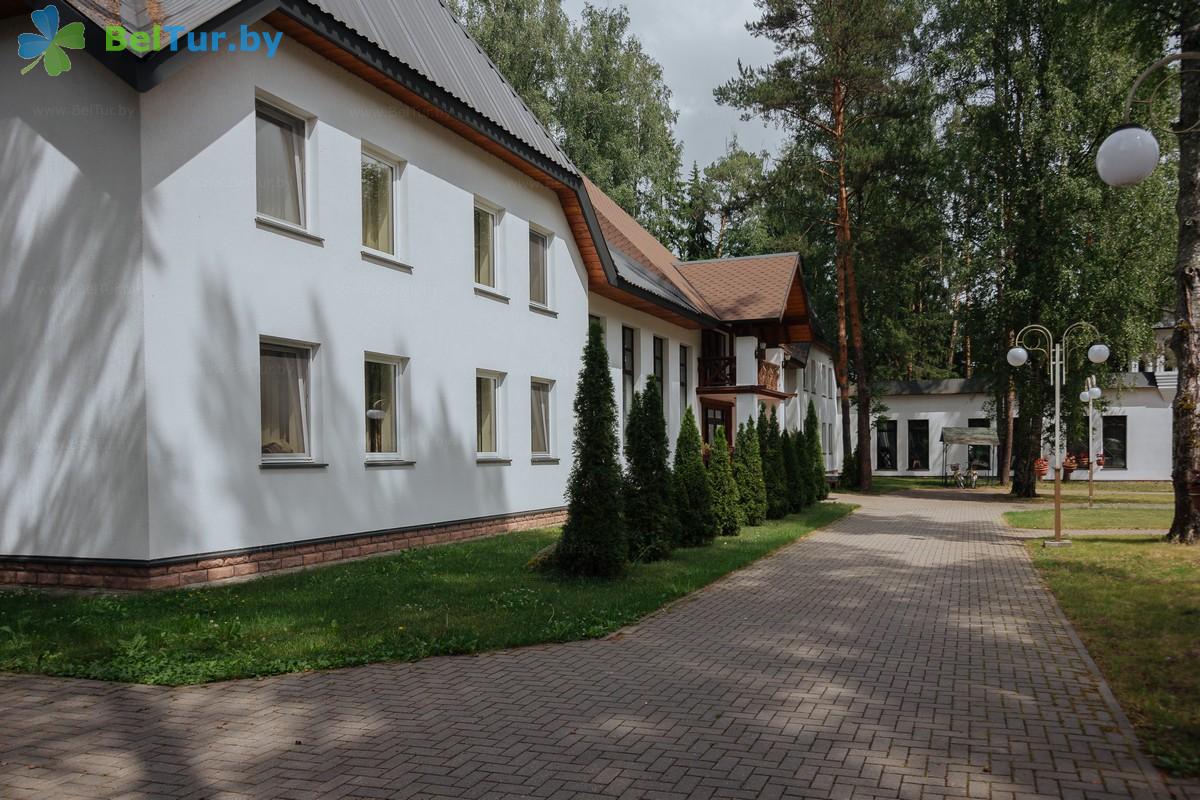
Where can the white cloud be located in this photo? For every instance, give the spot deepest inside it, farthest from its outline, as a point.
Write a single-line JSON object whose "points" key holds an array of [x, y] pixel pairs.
{"points": [[698, 43]]}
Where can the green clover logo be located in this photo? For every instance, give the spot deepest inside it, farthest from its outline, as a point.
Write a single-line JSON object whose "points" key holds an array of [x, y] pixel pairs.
{"points": [[47, 46]]}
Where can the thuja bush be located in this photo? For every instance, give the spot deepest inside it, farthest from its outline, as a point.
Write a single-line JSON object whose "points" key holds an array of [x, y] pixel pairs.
{"points": [[748, 473], [791, 472], [820, 486], [772, 461], [692, 496], [648, 507], [594, 540], [727, 512], [805, 488]]}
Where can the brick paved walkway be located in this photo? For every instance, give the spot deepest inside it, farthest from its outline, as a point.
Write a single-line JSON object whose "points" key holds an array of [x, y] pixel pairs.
{"points": [[908, 651]]}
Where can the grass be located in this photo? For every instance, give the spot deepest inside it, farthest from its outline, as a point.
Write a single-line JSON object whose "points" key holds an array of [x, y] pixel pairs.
{"points": [[461, 598], [1131, 519], [1076, 491], [1136, 604], [886, 484]]}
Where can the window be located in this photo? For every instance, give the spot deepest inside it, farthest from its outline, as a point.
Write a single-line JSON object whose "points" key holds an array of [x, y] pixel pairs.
{"points": [[715, 416], [378, 204], [918, 444], [382, 407], [594, 320], [485, 247], [1116, 430], [885, 444], [279, 164], [683, 380], [628, 374], [979, 456], [660, 369], [487, 414], [539, 282], [540, 429], [284, 399]]}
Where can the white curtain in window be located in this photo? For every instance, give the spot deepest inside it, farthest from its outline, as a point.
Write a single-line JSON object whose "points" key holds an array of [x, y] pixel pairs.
{"points": [[378, 179], [485, 414], [381, 407], [284, 399], [540, 422], [280, 165]]}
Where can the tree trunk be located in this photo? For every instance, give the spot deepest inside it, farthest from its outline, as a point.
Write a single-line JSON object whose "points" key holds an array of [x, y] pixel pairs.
{"points": [[1185, 471], [1027, 447], [843, 358], [1010, 416]]}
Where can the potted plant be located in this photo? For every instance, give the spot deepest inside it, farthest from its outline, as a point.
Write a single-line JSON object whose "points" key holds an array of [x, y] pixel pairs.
{"points": [[1040, 467], [1070, 464]]}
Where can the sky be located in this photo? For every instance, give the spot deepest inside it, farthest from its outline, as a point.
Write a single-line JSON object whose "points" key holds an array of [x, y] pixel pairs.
{"points": [[698, 43]]}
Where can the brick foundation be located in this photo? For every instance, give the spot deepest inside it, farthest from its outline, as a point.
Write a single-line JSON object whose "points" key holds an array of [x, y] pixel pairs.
{"points": [[210, 567]]}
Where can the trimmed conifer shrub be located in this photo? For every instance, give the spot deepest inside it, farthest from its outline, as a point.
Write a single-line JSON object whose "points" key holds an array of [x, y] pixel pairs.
{"points": [[805, 482], [594, 539], [727, 511], [748, 473], [648, 508], [772, 461], [693, 498], [820, 486], [791, 471]]}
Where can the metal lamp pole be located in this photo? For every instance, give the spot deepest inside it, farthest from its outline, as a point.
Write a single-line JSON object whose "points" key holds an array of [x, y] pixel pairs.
{"points": [[1057, 352], [1091, 393]]}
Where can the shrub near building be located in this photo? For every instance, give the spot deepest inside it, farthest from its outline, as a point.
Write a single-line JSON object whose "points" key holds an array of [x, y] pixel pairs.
{"points": [[727, 512], [594, 539], [692, 495], [648, 508], [820, 486], [748, 473], [772, 464]]}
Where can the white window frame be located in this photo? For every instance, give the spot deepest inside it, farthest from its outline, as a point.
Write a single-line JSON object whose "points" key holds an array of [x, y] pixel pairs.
{"points": [[498, 409], [397, 167], [497, 214], [547, 267], [550, 420], [309, 414], [400, 412], [303, 122]]}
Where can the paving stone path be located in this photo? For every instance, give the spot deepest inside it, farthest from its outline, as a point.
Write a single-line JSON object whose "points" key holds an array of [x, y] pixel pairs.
{"points": [[907, 651]]}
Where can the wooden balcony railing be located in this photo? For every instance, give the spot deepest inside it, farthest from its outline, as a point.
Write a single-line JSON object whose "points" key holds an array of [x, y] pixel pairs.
{"points": [[718, 371], [722, 371]]}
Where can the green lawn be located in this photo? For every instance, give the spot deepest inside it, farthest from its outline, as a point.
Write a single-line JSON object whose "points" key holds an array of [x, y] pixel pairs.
{"points": [[886, 484], [1124, 492], [1136, 604], [460, 598], [1130, 519]]}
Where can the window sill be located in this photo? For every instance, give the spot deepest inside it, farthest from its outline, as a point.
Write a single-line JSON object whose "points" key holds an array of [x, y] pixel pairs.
{"points": [[386, 260], [493, 461], [490, 293], [389, 462], [545, 311], [292, 465], [288, 229], [544, 460]]}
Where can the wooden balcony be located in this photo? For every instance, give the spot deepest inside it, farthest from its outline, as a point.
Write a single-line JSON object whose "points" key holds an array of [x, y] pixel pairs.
{"points": [[721, 371]]}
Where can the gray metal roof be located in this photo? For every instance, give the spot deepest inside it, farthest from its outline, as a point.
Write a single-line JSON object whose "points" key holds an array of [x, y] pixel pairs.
{"points": [[970, 436], [426, 36], [644, 278]]}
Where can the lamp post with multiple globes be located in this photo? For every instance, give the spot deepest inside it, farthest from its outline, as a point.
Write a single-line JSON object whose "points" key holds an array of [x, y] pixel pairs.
{"points": [[1090, 394], [1056, 352]]}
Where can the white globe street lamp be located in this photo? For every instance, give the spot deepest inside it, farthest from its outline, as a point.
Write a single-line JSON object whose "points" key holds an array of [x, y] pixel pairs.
{"points": [[1057, 351], [1130, 153], [1095, 391], [1089, 395]]}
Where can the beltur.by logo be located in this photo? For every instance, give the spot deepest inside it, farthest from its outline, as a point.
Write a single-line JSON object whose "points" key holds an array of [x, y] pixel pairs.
{"points": [[175, 37], [50, 44]]}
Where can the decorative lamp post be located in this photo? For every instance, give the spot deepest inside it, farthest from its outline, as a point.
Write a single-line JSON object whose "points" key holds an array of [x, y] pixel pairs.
{"points": [[1130, 153], [1057, 353], [1090, 394]]}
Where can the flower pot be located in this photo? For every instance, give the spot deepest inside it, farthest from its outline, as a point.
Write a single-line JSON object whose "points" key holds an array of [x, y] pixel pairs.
{"points": [[1041, 467]]}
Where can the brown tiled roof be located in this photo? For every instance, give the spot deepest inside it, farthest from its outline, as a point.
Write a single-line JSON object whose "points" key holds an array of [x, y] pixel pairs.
{"points": [[750, 288]]}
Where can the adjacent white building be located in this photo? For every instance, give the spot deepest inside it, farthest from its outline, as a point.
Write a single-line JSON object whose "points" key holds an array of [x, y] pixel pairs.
{"points": [[262, 312]]}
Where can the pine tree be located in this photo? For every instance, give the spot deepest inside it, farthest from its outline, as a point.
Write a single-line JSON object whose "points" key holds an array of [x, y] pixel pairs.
{"points": [[727, 511], [805, 481], [594, 539], [820, 486], [748, 472], [693, 499], [791, 471], [772, 461], [648, 507], [695, 225]]}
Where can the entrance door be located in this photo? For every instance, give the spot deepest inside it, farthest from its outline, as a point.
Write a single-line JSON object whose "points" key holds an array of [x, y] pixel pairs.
{"points": [[717, 414]]}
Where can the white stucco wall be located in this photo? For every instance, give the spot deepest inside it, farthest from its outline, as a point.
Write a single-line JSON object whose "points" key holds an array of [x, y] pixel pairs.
{"points": [[942, 411], [216, 282], [72, 387], [615, 316], [817, 383]]}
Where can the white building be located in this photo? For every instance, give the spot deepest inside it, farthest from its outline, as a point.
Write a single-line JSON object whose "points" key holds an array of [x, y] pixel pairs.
{"points": [[259, 312], [1131, 424]]}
